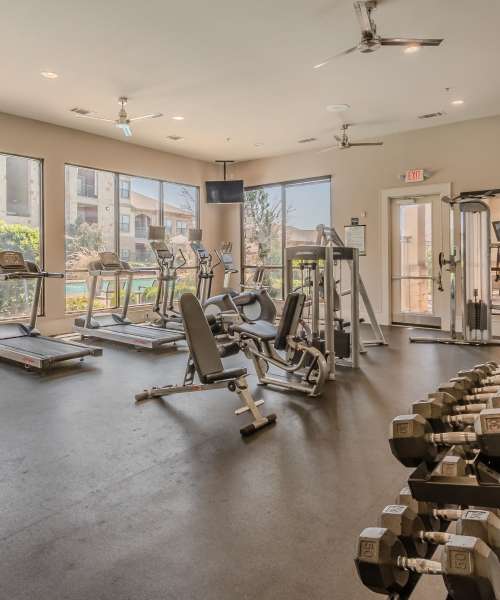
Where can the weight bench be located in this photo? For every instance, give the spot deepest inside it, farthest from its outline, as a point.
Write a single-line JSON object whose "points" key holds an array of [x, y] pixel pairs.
{"points": [[261, 342], [205, 361]]}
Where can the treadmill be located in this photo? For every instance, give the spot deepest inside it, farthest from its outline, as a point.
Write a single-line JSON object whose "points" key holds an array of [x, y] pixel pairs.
{"points": [[23, 343], [118, 327]]}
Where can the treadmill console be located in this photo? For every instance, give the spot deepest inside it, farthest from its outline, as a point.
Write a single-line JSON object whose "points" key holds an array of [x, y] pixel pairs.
{"points": [[110, 260], [12, 261]]}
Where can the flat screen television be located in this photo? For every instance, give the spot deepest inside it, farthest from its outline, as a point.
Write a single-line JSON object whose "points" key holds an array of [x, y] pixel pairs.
{"points": [[225, 192]]}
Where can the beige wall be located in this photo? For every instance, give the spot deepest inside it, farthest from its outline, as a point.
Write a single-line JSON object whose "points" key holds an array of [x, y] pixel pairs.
{"points": [[59, 145], [466, 154]]}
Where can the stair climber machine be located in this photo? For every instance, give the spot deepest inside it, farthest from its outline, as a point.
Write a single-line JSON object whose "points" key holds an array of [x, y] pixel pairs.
{"points": [[227, 307], [118, 327], [23, 343]]}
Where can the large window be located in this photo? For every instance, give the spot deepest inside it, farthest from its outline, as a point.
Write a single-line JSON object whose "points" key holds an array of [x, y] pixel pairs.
{"points": [[20, 213], [117, 219], [277, 216], [180, 213]]}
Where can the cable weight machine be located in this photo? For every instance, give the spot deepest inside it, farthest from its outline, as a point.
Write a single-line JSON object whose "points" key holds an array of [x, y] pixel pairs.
{"points": [[473, 263]]}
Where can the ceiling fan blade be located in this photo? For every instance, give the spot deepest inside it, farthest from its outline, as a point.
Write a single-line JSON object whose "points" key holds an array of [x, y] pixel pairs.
{"points": [[327, 149], [151, 116], [366, 143], [95, 117], [329, 60], [410, 42]]}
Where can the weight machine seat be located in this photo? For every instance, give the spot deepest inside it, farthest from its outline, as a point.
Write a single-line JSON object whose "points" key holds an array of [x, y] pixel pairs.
{"points": [[202, 346], [260, 330]]}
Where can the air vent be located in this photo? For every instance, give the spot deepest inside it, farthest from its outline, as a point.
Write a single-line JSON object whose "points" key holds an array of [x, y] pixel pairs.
{"points": [[307, 140], [175, 138], [433, 115], [80, 111]]}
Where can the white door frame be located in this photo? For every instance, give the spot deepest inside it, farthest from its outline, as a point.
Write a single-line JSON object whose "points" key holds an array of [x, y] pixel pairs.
{"points": [[429, 189]]}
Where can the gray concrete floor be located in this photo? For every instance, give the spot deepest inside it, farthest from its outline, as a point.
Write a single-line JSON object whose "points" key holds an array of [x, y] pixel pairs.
{"points": [[105, 500]]}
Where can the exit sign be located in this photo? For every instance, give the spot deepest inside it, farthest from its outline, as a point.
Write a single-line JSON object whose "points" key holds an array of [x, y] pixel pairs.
{"points": [[414, 175]]}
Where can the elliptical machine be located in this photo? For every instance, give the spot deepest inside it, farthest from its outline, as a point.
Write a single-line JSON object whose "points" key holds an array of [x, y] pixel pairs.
{"points": [[229, 306], [169, 262]]}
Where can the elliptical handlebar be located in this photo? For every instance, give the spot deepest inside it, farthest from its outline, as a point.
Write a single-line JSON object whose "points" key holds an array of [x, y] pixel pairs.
{"points": [[183, 261]]}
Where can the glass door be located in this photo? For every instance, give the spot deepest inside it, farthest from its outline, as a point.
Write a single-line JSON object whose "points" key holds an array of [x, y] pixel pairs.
{"points": [[413, 235]]}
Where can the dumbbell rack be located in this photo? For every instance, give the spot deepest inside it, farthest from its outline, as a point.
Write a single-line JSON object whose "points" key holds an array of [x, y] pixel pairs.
{"points": [[460, 477], [434, 485]]}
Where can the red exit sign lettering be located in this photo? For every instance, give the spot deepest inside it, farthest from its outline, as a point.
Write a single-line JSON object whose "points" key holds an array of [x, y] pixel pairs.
{"points": [[414, 175]]}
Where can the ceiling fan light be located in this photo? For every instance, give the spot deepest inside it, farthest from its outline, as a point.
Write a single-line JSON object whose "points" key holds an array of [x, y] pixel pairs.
{"points": [[411, 48], [457, 102]]}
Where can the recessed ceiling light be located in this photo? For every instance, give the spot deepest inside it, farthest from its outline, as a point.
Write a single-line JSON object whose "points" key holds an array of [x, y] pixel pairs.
{"points": [[49, 75], [337, 107], [259, 144], [411, 49], [175, 138], [178, 118], [457, 102]]}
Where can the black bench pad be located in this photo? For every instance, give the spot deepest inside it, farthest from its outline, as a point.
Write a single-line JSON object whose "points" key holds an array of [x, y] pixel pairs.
{"points": [[226, 374]]}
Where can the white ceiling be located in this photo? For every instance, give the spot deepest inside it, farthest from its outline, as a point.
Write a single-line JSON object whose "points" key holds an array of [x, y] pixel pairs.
{"points": [[242, 69]]}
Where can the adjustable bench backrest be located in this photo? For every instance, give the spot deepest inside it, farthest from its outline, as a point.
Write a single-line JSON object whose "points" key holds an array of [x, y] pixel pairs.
{"points": [[200, 339], [292, 311]]}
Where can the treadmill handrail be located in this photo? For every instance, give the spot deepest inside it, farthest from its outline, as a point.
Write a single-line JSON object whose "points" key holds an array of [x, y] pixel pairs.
{"points": [[30, 275], [104, 272]]}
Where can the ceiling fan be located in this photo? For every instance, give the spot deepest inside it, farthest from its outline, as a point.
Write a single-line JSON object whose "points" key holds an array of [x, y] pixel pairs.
{"points": [[122, 122], [343, 142], [370, 40]]}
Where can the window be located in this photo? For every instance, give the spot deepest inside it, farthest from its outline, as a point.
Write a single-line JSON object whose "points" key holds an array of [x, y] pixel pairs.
{"points": [[87, 183], [124, 188], [92, 225], [125, 223], [86, 214], [18, 182], [181, 228], [90, 228], [277, 216], [181, 204], [20, 217]]}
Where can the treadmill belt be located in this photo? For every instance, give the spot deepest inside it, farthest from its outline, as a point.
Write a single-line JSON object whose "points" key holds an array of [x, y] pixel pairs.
{"points": [[41, 346], [148, 333]]}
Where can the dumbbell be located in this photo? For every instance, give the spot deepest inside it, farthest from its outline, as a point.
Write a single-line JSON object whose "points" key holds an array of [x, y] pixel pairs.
{"points": [[413, 441], [470, 569], [462, 391], [444, 413], [475, 522], [480, 377], [408, 527], [425, 510]]}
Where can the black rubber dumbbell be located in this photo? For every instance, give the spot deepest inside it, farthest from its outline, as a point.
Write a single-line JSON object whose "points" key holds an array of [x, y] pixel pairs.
{"points": [[408, 527], [425, 510], [413, 441], [443, 413], [469, 568]]}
